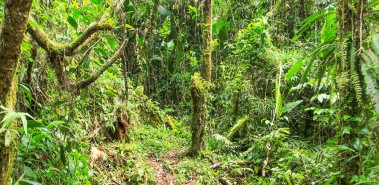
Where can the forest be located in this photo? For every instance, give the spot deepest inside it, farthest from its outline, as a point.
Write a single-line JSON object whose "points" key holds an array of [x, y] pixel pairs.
{"points": [[175, 92]]}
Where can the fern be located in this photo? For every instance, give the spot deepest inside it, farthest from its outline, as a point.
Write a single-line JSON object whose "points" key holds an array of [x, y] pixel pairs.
{"points": [[371, 59], [372, 87], [355, 82], [375, 44], [341, 55]]}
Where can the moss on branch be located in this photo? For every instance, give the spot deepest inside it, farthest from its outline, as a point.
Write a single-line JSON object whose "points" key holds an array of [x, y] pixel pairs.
{"points": [[110, 62]]}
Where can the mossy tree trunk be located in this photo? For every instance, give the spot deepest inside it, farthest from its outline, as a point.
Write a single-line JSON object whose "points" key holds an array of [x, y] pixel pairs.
{"points": [[199, 114], [206, 65], [349, 19], [57, 52], [13, 26], [199, 88]]}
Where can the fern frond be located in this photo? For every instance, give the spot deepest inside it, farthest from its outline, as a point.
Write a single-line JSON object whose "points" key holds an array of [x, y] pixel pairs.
{"points": [[342, 79], [375, 44], [372, 87], [374, 57], [355, 82], [365, 57], [357, 87], [370, 70]]}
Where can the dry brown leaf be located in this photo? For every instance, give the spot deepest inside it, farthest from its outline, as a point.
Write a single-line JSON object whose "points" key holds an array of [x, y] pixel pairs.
{"points": [[97, 152]]}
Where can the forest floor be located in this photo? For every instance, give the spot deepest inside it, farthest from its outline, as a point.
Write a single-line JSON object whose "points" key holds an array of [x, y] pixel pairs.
{"points": [[156, 155], [162, 176], [165, 151]]}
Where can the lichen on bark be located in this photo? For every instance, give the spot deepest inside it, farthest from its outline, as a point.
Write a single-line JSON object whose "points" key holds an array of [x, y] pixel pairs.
{"points": [[199, 92], [12, 29]]}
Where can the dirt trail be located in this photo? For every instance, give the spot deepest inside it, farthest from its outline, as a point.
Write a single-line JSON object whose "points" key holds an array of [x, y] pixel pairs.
{"points": [[162, 174]]}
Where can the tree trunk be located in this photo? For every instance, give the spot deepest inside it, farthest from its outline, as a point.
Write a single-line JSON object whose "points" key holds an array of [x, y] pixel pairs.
{"points": [[31, 64], [13, 26], [199, 89], [349, 24], [125, 71], [206, 66], [199, 115]]}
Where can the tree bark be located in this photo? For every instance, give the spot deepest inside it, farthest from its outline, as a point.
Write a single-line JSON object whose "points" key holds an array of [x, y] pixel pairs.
{"points": [[199, 88], [199, 115], [206, 68], [13, 26], [349, 23], [31, 64]]}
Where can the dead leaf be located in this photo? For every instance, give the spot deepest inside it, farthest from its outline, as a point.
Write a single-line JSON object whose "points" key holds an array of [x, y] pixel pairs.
{"points": [[97, 152], [268, 146]]}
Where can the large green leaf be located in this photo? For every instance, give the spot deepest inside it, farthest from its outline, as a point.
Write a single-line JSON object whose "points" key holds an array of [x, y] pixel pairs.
{"points": [[128, 26], [310, 20], [329, 29], [111, 42], [29, 182], [83, 156], [72, 22], [294, 69], [291, 105], [234, 129], [24, 123], [28, 171], [8, 137], [62, 147], [96, 2], [356, 143], [217, 26], [278, 98], [222, 34], [11, 115], [57, 103], [348, 159], [76, 13], [34, 24], [54, 123]]}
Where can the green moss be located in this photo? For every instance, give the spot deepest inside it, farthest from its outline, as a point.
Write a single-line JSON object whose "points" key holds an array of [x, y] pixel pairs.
{"points": [[199, 94], [7, 154]]}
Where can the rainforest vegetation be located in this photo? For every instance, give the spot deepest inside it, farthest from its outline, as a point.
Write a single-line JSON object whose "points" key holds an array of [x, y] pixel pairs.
{"points": [[189, 92]]}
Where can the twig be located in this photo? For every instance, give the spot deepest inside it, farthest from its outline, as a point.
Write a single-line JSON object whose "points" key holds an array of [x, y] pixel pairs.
{"points": [[84, 57], [361, 37]]}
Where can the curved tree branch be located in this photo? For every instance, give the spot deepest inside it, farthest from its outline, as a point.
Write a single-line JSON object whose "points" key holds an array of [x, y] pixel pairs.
{"points": [[88, 34], [84, 57], [92, 28], [42, 39], [104, 67]]}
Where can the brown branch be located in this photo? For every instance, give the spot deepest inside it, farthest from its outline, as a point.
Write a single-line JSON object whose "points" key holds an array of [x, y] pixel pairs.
{"points": [[104, 67], [84, 57], [42, 39], [31, 63], [92, 28], [85, 43], [71, 48]]}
